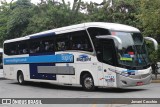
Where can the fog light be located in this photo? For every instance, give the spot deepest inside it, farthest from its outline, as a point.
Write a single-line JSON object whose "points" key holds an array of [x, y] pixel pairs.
{"points": [[124, 82]]}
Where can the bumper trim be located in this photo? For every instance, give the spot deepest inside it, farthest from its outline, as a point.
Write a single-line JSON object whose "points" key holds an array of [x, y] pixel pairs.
{"points": [[123, 81]]}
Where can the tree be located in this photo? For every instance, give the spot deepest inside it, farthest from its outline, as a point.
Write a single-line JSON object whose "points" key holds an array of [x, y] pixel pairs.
{"points": [[4, 13], [18, 18], [150, 18]]}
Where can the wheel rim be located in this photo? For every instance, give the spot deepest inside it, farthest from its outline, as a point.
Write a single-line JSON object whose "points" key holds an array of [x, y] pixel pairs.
{"points": [[20, 78], [88, 82]]}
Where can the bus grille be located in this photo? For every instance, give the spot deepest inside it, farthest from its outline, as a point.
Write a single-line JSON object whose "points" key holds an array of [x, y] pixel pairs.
{"points": [[139, 76]]}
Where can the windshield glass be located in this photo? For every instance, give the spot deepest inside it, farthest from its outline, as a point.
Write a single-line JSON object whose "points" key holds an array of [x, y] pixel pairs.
{"points": [[133, 51]]}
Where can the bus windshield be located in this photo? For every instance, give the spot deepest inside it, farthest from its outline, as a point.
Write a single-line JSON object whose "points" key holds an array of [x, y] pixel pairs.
{"points": [[133, 52]]}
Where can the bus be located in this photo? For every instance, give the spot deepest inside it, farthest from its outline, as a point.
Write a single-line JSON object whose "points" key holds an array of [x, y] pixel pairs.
{"points": [[93, 54], [1, 62]]}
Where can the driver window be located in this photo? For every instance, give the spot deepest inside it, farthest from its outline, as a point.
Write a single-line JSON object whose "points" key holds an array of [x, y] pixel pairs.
{"points": [[108, 55], [106, 52]]}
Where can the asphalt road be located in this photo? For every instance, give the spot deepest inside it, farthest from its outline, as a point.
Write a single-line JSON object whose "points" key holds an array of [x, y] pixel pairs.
{"points": [[11, 89]]}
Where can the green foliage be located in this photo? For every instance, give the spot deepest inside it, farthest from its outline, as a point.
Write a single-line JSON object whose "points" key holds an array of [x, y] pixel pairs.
{"points": [[153, 55], [150, 17]]}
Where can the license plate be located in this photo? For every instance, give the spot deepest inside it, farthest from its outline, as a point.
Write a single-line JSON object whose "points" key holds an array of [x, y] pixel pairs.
{"points": [[139, 83]]}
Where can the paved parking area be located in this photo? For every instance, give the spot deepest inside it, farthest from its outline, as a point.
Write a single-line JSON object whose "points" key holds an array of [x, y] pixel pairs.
{"points": [[11, 89]]}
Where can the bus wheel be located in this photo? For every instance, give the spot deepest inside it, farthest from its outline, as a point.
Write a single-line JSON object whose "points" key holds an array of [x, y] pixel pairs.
{"points": [[88, 83], [20, 78]]}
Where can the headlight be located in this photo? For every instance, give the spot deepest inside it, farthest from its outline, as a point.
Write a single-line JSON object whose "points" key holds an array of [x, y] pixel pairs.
{"points": [[150, 71]]}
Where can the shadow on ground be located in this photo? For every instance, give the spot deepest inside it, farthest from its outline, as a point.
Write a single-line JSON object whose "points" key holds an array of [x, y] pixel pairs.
{"points": [[3, 79], [75, 88]]}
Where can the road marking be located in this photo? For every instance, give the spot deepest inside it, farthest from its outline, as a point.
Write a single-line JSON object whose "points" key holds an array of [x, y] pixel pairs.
{"points": [[94, 105], [108, 105]]}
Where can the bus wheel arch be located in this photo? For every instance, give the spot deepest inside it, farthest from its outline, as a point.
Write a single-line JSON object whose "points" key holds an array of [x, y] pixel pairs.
{"points": [[20, 77], [87, 81]]}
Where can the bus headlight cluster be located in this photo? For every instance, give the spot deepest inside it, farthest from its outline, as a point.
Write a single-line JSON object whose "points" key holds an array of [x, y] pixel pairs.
{"points": [[150, 71]]}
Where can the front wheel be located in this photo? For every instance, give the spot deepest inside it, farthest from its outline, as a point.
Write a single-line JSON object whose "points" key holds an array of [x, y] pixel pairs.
{"points": [[88, 83], [20, 78]]}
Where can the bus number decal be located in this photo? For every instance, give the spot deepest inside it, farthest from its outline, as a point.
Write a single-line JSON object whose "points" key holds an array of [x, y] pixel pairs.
{"points": [[67, 58]]}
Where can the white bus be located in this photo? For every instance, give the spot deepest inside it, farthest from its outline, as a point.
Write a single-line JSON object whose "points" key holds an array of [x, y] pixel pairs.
{"points": [[94, 54], [1, 62]]}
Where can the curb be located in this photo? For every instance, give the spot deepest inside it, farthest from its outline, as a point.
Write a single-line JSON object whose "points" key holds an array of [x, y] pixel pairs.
{"points": [[155, 81]]}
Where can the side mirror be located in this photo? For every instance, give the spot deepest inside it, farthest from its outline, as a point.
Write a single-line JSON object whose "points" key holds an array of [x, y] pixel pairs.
{"points": [[153, 41], [116, 39]]}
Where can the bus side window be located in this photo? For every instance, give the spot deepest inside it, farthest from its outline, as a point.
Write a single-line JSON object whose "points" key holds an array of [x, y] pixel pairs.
{"points": [[80, 41], [34, 46], [49, 46], [62, 42], [10, 49], [94, 31], [42, 45], [23, 47]]}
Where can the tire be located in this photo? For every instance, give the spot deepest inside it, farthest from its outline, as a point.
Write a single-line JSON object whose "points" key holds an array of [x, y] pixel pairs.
{"points": [[88, 83], [20, 78]]}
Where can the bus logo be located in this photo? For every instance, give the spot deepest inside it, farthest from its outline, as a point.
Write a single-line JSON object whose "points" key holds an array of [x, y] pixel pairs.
{"points": [[83, 58], [6, 101]]}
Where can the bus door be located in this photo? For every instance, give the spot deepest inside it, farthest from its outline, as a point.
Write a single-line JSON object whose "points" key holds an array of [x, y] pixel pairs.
{"points": [[108, 58]]}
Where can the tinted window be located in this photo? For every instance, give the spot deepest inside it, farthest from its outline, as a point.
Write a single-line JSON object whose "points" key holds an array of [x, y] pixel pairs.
{"points": [[16, 48], [62, 42], [22, 47], [42, 45], [106, 52], [10, 49], [78, 40], [93, 31]]}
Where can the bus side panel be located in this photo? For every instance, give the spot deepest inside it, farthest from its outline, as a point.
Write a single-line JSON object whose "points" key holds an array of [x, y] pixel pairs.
{"points": [[63, 78], [10, 71], [84, 63], [67, 78]]}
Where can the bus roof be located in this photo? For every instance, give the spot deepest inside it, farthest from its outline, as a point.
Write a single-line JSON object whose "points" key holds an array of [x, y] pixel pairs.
{"points": [[105, 25], [112, 26]]}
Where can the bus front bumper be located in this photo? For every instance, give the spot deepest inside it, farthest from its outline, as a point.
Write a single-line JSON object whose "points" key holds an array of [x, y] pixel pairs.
{"points": [[134, 80]]}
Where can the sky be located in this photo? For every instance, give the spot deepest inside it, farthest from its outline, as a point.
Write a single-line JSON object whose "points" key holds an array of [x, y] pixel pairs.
{"points": [[37, 1]]}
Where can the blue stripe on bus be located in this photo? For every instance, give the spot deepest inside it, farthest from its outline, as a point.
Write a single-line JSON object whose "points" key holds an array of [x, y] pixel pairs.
{"points": [[43, 35], [58, 58], [35, 75]]}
